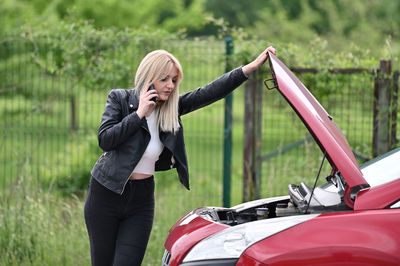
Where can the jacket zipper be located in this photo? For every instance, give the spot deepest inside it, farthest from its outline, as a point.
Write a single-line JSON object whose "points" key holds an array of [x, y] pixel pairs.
{"points": [[123, 188]]}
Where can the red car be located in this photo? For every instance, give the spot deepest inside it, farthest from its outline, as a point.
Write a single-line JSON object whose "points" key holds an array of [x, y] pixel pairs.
{"points": [[352, 219]]}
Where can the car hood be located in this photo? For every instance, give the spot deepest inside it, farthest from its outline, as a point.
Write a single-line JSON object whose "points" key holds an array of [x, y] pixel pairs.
{"points": [[319, 123]]}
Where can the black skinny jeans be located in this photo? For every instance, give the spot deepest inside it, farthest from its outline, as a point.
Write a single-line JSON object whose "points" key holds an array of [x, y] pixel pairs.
{"points": [[119, 225]]}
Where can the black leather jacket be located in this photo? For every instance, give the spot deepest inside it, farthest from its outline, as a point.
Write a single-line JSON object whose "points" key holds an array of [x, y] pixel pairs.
{"points": [[123, 136]]}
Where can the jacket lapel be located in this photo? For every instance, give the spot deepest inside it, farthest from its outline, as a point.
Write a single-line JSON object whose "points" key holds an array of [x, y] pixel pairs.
{"points": [[133, 100]]}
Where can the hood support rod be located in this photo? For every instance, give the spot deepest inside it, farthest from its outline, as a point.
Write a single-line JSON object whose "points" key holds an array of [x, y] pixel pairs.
{"points": [[315, 182]]}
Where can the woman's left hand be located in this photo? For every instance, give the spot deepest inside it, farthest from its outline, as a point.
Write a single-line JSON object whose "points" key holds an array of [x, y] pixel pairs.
{"points": [[259, 61]]}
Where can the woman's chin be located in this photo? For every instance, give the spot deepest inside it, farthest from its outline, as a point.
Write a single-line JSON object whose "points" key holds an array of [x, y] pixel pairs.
{"points": [[163, 98]]}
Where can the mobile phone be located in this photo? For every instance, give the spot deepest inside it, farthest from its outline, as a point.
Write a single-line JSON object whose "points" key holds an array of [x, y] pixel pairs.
{"points": [[154, 99]]}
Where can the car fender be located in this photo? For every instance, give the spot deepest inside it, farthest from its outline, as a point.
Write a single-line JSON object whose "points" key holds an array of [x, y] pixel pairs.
{"points": [[187, 234], [352, 237], [332, 255]]}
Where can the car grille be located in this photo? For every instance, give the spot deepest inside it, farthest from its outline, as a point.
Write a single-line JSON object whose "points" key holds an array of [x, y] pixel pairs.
{"points": [[166, 258]]}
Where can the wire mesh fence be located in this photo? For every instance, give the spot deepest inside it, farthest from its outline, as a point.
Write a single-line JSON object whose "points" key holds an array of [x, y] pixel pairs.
{"points": [[50, 119], [290, 153], [285, 153]]}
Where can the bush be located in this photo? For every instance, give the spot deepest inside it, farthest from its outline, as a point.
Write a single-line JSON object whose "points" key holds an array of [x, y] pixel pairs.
{"points": [[73, 166]]}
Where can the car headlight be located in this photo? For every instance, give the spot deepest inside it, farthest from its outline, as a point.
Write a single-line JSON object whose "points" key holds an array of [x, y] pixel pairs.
{"points": [[231, 242]]}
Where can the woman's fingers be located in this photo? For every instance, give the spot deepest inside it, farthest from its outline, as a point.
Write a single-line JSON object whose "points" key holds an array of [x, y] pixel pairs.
{"points": [[271, 49], [145, 102], [151, 94]]}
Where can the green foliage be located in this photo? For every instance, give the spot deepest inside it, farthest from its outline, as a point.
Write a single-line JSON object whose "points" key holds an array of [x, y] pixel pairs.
{"points": [[182, 15], [82, 153], [14, 14], [77, 54], [41, 228], [341, 22], [315, 54], [237, 12], [367, 24], [89, 57]]}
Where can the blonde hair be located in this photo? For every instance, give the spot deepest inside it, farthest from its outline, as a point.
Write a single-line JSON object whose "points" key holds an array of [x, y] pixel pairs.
{"points": [[157, 65]]}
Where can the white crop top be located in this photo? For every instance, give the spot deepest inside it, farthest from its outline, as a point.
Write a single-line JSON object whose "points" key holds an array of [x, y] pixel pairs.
{"points": [[146, 165]]}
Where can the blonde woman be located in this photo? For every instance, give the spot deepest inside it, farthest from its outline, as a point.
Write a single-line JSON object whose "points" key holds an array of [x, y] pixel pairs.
{"points": [[140, 133]]}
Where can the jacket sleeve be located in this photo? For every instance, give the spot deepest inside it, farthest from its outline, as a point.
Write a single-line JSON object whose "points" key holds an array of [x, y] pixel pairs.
{"points": [[211, 92], [114, 128]]}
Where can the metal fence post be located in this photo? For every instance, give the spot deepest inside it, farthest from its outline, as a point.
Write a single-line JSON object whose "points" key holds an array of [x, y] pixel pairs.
{"points": [[258, 135], [227, 132], [394, 106], [252, 156], [382, 114], [74, 116], [249, 140]]}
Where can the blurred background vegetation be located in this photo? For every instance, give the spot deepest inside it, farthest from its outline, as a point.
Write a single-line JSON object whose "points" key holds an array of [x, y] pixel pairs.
{"points": [[63, 53], [369, 24]]}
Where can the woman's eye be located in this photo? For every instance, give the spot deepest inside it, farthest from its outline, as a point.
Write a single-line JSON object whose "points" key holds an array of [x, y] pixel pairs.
{"points": [[164, 79]]}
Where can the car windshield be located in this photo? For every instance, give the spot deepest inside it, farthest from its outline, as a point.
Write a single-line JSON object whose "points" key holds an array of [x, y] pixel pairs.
{"points": [[382, 169]]}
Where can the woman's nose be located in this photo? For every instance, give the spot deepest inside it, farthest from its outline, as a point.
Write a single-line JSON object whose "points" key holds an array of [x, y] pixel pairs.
{"points": [[171, 84]]}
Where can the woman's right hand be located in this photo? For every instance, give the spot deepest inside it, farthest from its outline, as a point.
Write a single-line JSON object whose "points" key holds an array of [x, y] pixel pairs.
{"points": [[146, 105]]}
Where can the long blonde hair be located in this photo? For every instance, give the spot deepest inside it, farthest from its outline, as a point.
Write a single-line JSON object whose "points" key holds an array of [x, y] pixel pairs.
{"points": [[156, 65]]}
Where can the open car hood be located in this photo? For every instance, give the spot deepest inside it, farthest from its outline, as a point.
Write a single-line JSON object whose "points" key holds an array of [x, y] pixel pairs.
{"points": [[319, 123]]}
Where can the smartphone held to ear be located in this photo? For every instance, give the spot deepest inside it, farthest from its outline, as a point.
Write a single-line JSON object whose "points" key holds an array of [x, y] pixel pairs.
{"points": [[154, 99]]}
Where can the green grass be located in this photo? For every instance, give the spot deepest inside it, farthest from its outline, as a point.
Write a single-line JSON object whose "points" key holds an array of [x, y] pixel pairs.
{"points": [[38, 227], [41, 228]]}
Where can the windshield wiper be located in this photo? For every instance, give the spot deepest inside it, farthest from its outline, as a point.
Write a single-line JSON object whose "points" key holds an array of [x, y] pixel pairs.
{"points": [[315, 182]]}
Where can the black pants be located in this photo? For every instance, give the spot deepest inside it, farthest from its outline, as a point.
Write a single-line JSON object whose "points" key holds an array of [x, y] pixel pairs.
{"points": [[119, 225]]}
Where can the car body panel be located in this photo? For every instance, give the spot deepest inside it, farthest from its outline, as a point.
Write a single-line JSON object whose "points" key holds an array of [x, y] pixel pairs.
{"points": [[246, 260], [246, 205], [188, 233], [351, 237], [382, 170], [319, 123], [378, 197]]}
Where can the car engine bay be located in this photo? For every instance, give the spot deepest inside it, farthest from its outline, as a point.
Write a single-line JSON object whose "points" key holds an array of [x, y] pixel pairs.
{"points": [[325, 198]]}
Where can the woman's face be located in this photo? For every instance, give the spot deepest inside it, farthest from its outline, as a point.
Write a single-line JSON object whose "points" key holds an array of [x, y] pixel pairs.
{"points": [[166, 85]]}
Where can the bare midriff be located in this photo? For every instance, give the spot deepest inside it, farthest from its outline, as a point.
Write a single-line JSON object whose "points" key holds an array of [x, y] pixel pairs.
{"points": [[139, 176]]}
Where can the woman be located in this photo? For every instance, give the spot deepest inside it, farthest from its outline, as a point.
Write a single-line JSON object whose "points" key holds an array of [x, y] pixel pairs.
{"points": [[140, 133]]}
